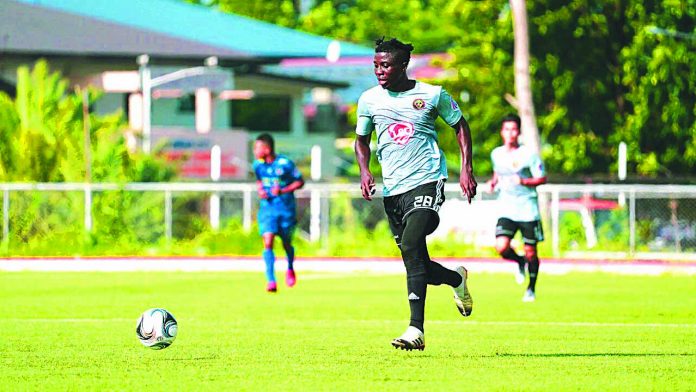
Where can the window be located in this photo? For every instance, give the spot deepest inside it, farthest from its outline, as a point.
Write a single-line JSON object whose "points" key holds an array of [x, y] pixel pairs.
{"points": [[262, 113], [186, 104]]}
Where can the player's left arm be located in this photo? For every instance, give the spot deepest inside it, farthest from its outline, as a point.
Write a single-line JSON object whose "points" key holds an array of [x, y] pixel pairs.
{"points": [[533, 181], [449, 110], [296, 183], [466, 175], [536, 167], [293, 186]]}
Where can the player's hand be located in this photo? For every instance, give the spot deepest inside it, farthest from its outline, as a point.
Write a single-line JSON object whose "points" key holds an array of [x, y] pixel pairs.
{"points": [[468, 184], [490, 186], [367, 185], [275, 191], [515, 179], [263, 194]]}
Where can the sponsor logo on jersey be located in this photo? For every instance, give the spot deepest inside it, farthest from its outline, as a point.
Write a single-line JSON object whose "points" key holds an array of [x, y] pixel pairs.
{"points": [[418, 104], [401, 132], [279, 171]]}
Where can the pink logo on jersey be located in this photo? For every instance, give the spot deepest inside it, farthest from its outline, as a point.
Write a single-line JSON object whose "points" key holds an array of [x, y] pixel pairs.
{"points": [[401, 132]]}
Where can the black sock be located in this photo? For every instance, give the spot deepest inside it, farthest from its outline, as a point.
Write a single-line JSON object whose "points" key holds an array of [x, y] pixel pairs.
{"points": [[533, 265], [510, 254], [416, 282], [437, 275]]}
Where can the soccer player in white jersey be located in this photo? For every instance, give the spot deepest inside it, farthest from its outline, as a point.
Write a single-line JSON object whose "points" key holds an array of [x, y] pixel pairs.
{"points": [[517, 171], [403, 112]]}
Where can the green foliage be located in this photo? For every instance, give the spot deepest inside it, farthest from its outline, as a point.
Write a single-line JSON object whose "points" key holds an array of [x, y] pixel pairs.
{"points": [[658, 74], [603, 71], [280, 12], [42, 140]]}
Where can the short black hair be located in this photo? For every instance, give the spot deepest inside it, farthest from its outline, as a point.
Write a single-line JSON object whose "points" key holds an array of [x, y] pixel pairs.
{"points": [[512, 117], [268, 139], [400, 49]]}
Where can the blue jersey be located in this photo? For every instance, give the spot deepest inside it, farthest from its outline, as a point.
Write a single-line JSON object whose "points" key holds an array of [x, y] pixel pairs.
{"points": [[279, 173]]}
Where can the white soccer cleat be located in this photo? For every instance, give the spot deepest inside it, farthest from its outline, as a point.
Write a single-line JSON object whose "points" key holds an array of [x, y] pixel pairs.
{"points": [[519, 275], [462, 298], [529, 296], [412, 339]]}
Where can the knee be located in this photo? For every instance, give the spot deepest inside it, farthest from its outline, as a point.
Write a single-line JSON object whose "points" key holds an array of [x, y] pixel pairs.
{"points": [[501, 247], [530, 252], [267, 242]]}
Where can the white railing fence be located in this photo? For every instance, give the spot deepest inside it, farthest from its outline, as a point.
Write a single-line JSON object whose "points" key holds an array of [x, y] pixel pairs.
{"points": [[625, 219]]}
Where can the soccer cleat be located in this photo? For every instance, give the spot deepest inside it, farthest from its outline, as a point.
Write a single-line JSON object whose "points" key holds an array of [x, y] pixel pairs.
{"points": [[271, 287], [412, 339], [529, 296], [462, 298], [519, 275], [290, 278]]}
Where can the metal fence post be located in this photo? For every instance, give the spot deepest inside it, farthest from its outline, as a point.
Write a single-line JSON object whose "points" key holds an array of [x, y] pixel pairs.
{"points": [[632, 223], [555, 224], [214, 210], [6, 216], [88, 208], [315, 215], [168, 214], [246, 207], [325, 216]]}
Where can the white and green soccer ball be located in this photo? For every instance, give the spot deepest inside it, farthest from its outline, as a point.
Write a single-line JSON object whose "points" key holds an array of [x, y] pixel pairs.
{"points": [[156, 328]]}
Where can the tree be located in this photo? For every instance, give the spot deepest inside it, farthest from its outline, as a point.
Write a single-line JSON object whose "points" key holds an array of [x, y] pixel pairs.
{"points": [[523, 83], [603, 71], [42, 135]]}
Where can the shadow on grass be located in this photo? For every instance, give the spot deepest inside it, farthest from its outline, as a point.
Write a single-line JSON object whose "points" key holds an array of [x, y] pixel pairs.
{"points": [[562, 355]]}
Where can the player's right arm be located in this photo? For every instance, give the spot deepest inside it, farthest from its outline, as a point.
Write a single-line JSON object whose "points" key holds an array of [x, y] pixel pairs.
{"points": [[492, 183], [259, 184], [260, 190], [363, 130], [362, 154]]}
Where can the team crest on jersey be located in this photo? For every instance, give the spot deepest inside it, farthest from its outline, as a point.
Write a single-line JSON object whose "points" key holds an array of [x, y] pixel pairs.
{"points": [[418, 104], [401, 132], [454, 104]]}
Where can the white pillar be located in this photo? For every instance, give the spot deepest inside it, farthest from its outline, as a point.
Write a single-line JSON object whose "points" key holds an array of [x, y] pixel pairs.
{"points": [[315, 163], [146, 89], [204, 110]]}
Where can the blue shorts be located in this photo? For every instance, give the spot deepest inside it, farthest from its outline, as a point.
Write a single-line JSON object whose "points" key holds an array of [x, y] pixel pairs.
{"points": [[278, 221]]}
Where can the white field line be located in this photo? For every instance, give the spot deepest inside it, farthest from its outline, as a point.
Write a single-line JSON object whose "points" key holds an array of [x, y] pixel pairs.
{"points": [[379, 322], [322, 265]]}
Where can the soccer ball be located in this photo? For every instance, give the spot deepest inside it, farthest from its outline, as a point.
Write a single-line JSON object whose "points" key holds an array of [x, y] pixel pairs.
{"points": [[156, 328]]}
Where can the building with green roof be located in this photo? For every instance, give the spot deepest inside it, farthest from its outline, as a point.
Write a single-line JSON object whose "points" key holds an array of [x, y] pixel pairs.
{"points": [[232, 99]]}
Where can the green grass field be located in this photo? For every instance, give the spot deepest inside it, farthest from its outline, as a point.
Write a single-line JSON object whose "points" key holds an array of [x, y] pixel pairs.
{"points": [[76, 331]]}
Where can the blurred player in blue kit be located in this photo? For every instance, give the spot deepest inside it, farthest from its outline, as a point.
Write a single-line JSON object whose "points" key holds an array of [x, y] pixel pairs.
{"points": [[517, 171], [402, 112], [277, 179]]}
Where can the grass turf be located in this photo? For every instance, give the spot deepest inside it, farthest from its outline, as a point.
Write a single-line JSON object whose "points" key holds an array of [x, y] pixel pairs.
{"points": [[76, 331]]}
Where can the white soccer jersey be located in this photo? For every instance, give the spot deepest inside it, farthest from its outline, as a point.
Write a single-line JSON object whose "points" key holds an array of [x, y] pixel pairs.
{"points": [[406, 138], [517, 202]]}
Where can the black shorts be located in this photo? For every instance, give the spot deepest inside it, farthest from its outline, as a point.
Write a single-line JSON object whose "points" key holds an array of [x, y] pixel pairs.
{"points": [[531, 231], [428, 196]]}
